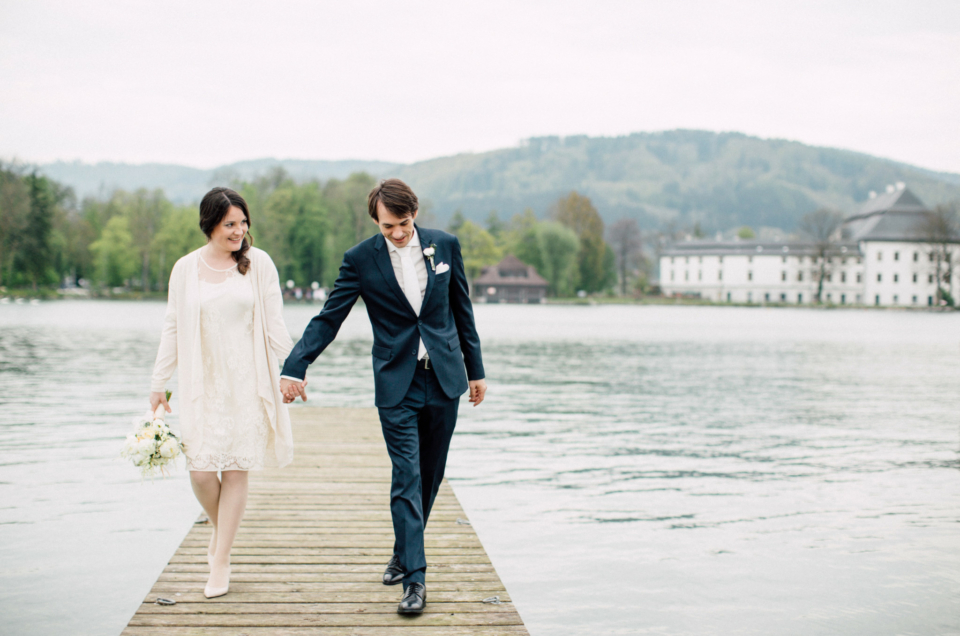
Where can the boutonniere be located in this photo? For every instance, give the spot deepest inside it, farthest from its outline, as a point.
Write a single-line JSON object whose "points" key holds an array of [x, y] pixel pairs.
{"points": [[429, 253]]}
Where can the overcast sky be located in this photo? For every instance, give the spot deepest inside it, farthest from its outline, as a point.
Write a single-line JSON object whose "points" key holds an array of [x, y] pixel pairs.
{"points": [[208, 83]]}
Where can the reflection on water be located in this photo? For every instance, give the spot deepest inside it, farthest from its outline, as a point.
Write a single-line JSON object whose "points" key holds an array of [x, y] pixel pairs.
{"points": [[668, 470]]}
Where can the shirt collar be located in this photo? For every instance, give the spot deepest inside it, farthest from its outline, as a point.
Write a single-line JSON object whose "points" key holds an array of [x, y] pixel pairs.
{"points": [[414, 242]]}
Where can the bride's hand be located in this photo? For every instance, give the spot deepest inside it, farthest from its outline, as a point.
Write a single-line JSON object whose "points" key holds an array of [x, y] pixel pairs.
{"points": [[157, 398]]}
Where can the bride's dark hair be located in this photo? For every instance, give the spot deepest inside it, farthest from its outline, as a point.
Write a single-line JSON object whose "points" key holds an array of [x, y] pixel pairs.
{"points": [[214, 207]]}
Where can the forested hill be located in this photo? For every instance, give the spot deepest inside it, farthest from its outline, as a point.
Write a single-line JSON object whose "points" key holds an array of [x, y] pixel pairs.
{"points": [[721, 180]]}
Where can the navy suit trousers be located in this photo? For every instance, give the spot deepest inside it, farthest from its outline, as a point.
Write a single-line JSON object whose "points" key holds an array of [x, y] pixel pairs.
{"points": [[417, 432]]}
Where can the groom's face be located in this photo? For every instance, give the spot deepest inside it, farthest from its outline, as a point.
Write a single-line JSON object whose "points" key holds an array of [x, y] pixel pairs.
{"points": [[395, 229]]}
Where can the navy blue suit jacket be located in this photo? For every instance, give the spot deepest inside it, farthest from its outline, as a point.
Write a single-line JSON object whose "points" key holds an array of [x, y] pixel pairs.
{"points": [[445, 323]]}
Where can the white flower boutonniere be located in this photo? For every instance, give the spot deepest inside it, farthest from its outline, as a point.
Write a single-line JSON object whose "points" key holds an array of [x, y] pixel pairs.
{"points": [[429, 253]]}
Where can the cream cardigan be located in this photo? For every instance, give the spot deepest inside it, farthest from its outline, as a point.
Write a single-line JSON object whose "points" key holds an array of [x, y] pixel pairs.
{"points": [[180, 348]]}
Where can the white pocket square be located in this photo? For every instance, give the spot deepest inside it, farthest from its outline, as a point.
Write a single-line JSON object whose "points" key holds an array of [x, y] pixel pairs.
{"points": [[442, 267]]}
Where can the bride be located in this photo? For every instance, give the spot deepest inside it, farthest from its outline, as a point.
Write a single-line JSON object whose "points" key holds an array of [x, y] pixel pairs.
{"points": [[224, 333]]}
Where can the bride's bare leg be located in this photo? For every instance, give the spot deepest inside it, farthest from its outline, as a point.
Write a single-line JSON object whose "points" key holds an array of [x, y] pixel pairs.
{"points": [[206, 487], [233, 502]]}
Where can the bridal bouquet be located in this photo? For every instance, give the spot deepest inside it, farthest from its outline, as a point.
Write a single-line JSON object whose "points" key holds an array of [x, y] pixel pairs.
{"points": [[152, 445]]}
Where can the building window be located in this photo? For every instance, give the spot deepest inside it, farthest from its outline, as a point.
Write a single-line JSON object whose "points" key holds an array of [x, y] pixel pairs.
{"points": [[876, 301], [766, 297], [686, 259], [783, 298], [829, 298], [896, 278], [686, 275], [720, 275], [946, 278], [829, 278], [749, 297], [671, 274], [929, 301], [916, 256], [879, 277], [728, 296], [700, 259], [879, 256], [843, 277], [931, 257], [720, 259], [914, 300], [894, 299], [749, 275], [859, 276], [930, 279], [784, 259], [896, 256], [750, 259], [829, 259], [783, 276], [843, 299], [858, 299], [700, 275], [800, 276], [671, 260], [914, 278], [799, 298]]}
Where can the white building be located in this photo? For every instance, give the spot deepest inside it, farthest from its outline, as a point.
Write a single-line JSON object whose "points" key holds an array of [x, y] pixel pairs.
{"points": [[881, 257]]}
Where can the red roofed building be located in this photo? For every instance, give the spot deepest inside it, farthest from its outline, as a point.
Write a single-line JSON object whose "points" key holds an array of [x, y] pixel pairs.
{"points": [[510, 281]]}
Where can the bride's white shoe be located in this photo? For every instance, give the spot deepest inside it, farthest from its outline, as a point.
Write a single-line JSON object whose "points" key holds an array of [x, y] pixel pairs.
{"points": [[213, 592]]}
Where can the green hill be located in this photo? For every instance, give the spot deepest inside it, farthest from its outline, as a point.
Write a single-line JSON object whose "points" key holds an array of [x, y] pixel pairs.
{"points": [[721, 180]]}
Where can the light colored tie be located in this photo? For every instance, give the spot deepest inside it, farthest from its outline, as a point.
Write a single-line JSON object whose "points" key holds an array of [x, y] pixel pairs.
{"points": [[411, 288]]}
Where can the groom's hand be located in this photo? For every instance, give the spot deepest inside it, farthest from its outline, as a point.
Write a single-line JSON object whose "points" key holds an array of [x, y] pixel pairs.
{"points": [[291, 389], [478, 388]]}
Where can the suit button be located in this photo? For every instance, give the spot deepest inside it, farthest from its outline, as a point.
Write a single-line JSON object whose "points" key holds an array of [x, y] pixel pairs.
{"points": [[414, 352], [420, 322]]}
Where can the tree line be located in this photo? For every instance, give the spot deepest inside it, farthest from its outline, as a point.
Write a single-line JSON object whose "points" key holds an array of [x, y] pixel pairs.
{"points": [[132, 239]]}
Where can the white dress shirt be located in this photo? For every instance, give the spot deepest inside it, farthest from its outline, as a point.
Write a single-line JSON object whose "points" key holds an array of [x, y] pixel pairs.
{"points": [[419, 264]]}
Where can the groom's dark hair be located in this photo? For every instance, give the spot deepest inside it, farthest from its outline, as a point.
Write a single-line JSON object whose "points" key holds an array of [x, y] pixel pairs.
{"points": [[395, 195]]}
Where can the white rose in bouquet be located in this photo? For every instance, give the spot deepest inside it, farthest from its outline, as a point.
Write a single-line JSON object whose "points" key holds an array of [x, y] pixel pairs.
{"points": [[170, 448]]}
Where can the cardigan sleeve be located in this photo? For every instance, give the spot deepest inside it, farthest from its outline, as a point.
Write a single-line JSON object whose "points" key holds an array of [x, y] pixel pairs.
{"points": [[277, 335], [167, 355]]}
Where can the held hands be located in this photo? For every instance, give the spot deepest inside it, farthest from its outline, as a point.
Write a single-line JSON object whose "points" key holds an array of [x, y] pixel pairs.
{"points": [[291, 389], [478, 388]]}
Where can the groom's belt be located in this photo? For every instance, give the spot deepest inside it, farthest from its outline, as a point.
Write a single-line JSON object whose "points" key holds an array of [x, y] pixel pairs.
{"points": [[424, 363]]}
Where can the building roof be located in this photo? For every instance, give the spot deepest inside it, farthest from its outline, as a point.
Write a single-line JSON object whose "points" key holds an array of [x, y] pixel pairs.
{"points": [[511, 271], [897, 200], [753, 248], [898, 215]]}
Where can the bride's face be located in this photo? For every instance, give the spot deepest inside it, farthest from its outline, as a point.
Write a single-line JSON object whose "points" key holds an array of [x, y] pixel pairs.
{"points": [[228, 236]]}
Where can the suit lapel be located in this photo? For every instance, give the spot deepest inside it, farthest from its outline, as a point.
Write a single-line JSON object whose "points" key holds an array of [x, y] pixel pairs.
{"points": [[389, 275], [431, 274]]}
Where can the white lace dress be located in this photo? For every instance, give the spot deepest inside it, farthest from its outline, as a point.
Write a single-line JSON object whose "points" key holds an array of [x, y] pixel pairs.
{"points": [[236, 429]]}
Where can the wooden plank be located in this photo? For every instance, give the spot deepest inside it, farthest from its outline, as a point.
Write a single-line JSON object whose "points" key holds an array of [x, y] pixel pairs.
{"points": [[306, 620], [410, 628], [309, 555]]}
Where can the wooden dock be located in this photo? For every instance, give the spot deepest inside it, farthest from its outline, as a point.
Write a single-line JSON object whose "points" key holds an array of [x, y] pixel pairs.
{"points": [[312, 548]]}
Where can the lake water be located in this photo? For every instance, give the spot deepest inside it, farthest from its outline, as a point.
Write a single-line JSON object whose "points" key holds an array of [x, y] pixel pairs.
{"points": [[634, 469]]}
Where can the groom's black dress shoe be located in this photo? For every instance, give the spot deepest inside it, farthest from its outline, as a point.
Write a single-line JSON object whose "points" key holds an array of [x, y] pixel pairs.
{"points": [[394, 573], [414, 599]]}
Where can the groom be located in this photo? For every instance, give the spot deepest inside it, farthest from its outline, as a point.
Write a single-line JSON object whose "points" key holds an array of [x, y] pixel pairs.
{"points": [[426, 354]]}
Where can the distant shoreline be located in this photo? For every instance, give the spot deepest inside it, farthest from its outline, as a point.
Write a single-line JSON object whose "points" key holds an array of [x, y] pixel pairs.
{"points": [[13, 297]]}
